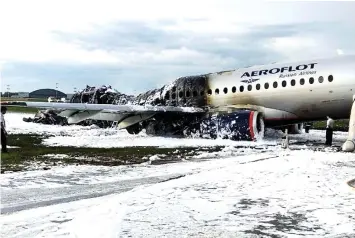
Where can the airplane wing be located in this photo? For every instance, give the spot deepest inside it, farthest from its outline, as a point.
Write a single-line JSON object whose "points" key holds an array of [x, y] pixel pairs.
{"points": [[106, 107], [124, 114]]}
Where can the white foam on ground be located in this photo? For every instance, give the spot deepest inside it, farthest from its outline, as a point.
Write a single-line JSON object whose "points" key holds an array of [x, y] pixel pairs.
{"points": [[278, 192], [70, 175], [92, 136], [299, 193]]}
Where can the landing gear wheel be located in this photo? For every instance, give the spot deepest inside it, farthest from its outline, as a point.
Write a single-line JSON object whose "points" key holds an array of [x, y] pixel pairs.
{"points": [[134, 129], [151, 128]]}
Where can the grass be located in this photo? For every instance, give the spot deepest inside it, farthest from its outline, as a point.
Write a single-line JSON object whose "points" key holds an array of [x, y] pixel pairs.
{"points": [[32, 152], [339, 125], [24, 99], [23, 109]]}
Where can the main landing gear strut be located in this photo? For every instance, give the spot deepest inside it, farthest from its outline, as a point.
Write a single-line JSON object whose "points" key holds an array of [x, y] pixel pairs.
{"points": [[349, 145]]}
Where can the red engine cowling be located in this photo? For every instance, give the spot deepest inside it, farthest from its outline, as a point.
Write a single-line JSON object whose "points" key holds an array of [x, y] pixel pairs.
{"points": [[241, 125]]}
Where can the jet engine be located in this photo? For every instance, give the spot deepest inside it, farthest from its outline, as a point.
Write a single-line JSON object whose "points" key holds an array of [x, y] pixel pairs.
{"points": [[240, 125]]}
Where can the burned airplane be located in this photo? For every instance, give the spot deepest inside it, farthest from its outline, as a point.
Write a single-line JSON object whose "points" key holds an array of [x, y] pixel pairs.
{"points": [[237, 104]]}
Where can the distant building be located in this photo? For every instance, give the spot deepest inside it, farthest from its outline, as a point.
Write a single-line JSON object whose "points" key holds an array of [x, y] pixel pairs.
{"points": [[15, 94], [20, 95], [46, 93]]}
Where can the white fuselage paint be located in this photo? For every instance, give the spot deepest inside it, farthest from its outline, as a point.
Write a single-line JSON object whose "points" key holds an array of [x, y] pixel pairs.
{"points": [[300, 102]]}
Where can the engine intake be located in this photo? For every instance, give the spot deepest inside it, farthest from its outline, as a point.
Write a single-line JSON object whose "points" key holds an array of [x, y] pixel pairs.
{"points": [[242, 125]]}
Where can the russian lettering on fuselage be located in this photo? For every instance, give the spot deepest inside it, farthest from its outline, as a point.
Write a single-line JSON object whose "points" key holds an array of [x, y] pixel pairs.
{"points": [[288, 71]]}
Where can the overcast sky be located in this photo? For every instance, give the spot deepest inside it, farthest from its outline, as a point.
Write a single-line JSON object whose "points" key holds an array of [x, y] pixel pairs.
{"points": [[139, 45]]}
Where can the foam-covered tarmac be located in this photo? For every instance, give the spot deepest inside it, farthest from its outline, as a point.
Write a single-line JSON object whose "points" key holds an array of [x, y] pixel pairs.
{"points": [[240, 191]]}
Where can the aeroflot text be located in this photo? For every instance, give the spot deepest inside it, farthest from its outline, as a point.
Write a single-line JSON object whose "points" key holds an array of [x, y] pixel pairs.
{"points": [[279, 70]]}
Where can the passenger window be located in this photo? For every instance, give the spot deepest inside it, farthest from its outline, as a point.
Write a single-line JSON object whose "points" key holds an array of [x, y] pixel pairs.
{"points": [[167, 95], [266, 85], [274, 84], [293, 82], [173, 95], [284, 83], [174, 88], [187, 94], [202, 93], [302, 81], [194, 93], [320, 79], [234, 89], [249, 87], [241, 88], [181, 94], [258, 86], [311, 80], [330, 78], [225, 90], [209, 92], [216, 91]]}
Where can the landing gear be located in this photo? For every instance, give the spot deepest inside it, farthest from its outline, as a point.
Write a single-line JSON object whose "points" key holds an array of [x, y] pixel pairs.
{"points": [[285, 140], [151, 128], [307, 127], [134, 129], [349, 145]]}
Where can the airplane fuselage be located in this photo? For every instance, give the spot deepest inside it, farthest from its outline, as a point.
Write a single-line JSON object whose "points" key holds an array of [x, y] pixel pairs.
{"points": [[301, 91]]}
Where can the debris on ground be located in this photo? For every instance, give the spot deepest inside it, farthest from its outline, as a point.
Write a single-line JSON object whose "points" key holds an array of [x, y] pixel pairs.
{"points": [[47, 117]]}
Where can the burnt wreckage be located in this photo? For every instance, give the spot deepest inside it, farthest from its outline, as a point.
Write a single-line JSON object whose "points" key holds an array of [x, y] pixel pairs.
{"points": [[101, 95], [189, 91]]}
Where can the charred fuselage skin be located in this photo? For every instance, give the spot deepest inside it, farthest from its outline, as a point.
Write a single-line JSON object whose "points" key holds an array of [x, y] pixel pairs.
{"points": [[187, 91]]}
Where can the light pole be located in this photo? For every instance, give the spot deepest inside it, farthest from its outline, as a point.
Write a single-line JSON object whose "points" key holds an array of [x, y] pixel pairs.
{"points": [[56, 90], [8, 90]]}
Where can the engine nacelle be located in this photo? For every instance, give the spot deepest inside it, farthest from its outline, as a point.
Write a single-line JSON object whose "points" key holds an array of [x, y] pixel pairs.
{"points": [[241, 125]]}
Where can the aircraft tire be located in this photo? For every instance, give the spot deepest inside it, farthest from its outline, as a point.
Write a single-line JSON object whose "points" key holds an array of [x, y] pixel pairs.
{"points": [[134, 129], [151, 128]]}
